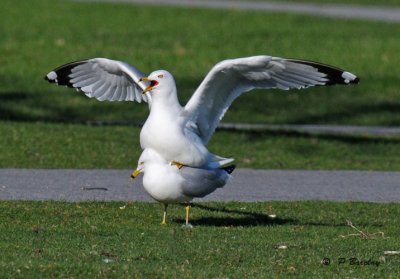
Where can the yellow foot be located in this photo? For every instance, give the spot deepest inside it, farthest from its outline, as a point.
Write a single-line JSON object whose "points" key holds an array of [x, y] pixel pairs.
{"points": [[177, 164], [187, 225]]}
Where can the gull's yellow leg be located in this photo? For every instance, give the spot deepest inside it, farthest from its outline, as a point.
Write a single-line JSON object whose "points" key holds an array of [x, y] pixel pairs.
{"points": [[177, 164], [164, 221], [187, 214]]}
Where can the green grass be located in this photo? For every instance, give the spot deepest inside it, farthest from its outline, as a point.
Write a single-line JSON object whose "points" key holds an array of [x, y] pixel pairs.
{"points": [[188, 42], [57, 239], [44, 145], [229, 240]]}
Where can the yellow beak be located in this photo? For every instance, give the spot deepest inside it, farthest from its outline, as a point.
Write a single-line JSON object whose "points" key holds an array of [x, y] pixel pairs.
{"points": [[135, 173], [148, 88]]}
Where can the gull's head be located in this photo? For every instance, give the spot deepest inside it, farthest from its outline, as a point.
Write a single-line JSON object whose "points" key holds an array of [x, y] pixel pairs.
{"points": [[137, 171], [148, 158], [159, 80]]}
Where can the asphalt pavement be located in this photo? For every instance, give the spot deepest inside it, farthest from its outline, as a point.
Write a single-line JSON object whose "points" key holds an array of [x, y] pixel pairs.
{"points": [[245, 185], [371, 12]]}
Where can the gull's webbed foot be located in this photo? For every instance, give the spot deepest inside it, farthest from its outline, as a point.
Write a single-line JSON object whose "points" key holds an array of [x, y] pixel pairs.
{"points": [[187, 224]]}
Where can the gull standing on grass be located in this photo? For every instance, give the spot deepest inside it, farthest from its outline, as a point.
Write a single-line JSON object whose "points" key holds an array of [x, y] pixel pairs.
{"points": [[176, 136], [167, 183]]}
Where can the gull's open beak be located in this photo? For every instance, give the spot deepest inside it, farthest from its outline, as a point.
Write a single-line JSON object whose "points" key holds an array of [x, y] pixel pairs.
{"points": [[152, 84], [135, 173]]}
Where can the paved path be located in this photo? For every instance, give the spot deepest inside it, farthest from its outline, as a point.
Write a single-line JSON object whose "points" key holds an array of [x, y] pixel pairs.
{"points": [[388, 14], [246, 185]]}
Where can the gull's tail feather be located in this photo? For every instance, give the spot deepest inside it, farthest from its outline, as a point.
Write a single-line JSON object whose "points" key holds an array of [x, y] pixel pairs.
{"points": [[218, 162], [229, 169]]}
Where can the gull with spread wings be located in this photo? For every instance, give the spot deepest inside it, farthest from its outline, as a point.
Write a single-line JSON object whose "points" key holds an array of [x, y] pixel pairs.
{"points": [[175, 136]]}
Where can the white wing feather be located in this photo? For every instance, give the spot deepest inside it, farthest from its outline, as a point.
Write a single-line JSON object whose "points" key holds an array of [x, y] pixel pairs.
{"points": [[103, 79], [230, 78]]}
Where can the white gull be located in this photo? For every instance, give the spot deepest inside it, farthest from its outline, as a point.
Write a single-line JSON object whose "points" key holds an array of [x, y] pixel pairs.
{"points": [[180, 134]]}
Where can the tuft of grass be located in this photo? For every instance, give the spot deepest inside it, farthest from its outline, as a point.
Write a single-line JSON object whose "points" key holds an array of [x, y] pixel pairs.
{"points": [[235, 240]]}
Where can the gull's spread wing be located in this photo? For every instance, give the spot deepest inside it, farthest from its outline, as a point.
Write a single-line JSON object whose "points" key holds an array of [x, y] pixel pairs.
{"points": [[230, 78], [103, 79]]}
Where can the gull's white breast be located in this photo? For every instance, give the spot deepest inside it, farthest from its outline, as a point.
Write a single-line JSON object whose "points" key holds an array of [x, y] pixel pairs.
{"points": [[164, 131], [164, 183]]}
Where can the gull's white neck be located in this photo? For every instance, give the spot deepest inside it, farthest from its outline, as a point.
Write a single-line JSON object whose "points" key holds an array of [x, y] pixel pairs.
{"points": [[163, 126], [165, 101]]}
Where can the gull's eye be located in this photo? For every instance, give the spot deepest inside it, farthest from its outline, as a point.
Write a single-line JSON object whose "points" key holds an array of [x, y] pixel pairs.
{"points": [[160, 76]]}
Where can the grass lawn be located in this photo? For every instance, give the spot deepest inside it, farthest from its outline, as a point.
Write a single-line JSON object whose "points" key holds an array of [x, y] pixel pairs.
{"points": [[228, 240], [188, 42], [46, 145], [38, 130]]}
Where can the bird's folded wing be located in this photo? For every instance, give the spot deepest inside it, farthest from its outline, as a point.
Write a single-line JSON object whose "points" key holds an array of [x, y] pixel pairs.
{"points": [[103, 79], [230, 78], [201, 182]]}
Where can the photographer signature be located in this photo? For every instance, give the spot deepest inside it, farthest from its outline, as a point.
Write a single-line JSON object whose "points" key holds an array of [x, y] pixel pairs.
{"points": [[352, 261]]}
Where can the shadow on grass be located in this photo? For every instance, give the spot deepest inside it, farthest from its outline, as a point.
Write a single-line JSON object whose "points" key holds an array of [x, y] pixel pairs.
{"points": [[26, 107], [340, 106], [244, 219], [252, 219], [254, 136], [351, 111], [48, 107]]}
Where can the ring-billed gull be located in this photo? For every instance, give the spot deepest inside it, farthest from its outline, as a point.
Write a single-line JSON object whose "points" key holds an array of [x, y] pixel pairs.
{"points": [[180, 134], [167, 183]]}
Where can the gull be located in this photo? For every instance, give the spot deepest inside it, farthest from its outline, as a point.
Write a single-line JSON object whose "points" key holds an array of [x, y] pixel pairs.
{"points": [[180, 134], [166, 183]]}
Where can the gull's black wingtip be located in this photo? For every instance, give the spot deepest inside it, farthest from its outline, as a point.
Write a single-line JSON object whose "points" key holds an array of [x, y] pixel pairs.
{"points": [[61, 75], [49, 80], [334, 75], [51, 77], [344, 77]]}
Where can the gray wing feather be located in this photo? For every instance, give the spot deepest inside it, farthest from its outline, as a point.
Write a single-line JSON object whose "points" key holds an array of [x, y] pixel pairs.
{"points": [[230, 78], [103, 79], [201, 182]]}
